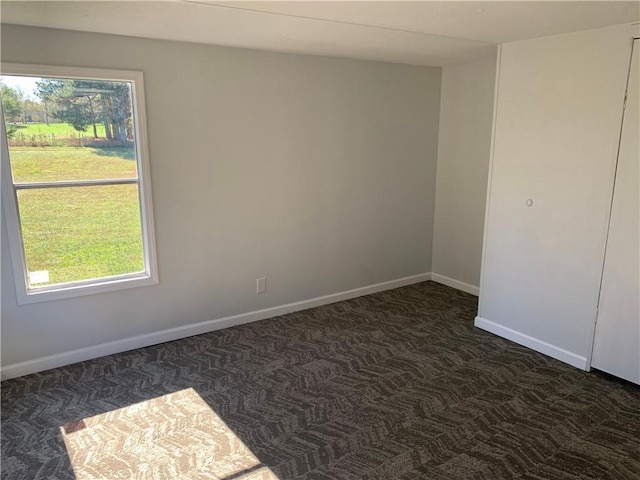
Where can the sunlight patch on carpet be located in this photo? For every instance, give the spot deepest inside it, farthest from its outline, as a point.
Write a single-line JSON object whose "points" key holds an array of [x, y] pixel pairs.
{"points": [[175, 436]]}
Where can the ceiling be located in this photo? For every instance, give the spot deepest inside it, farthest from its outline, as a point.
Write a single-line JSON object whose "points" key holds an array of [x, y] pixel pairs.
{"points": [[435, 33]]}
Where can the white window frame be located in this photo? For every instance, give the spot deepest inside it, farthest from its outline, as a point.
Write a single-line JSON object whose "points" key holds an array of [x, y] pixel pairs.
{"points": [[26, 295]]}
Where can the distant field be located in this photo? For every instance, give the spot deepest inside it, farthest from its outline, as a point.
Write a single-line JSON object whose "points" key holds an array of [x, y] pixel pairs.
{"points": [[79, 233], [59, 129]]}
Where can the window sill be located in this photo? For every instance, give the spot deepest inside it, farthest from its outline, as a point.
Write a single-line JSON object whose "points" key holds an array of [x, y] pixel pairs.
{"points": [[63, 291]]}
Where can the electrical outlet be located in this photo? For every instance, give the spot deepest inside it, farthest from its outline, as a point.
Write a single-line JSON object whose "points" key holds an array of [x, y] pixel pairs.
{"points": [[261, 285]]}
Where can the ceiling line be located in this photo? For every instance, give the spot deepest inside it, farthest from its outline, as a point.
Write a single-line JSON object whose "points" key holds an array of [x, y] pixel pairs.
{"points": [[355, 24]]}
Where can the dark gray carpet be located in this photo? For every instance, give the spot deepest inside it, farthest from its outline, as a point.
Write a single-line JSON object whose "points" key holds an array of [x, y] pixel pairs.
{"points": [[396, 385]]}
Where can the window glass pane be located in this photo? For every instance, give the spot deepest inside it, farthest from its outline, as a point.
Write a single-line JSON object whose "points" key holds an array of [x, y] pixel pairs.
{"points": [[62, 130], [50, 164], [80, 233]]}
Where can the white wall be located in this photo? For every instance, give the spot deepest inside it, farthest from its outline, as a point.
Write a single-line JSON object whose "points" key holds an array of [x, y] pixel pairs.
{"points": [[559, 110], [466, 109], [318, 173]]}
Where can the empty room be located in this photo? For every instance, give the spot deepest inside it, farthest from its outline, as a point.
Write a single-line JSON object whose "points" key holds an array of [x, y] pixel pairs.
{"points": [[320, 240]]}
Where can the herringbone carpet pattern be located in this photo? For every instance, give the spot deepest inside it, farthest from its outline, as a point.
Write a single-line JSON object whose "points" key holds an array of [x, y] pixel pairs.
{"points": [[396, 385]]}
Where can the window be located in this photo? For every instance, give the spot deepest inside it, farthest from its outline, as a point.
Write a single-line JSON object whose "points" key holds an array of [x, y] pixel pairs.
{"points": [[75, 181]]}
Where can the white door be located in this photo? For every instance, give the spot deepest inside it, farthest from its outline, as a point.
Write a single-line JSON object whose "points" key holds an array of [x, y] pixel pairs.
{"points": [[616, 348]]}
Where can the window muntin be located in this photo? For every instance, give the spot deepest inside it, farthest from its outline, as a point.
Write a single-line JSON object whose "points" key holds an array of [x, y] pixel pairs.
{"points": [[79, 209]]}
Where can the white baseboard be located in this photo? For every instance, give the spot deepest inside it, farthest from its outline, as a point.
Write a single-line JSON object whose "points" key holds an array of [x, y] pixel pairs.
{"points": [[140, 341], [457, 284], [532, 343]]}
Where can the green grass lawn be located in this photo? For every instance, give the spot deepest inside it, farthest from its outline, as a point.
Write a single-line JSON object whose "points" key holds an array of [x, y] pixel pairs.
{"points": [[79, 233], [39, 164], [62, 130]]}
